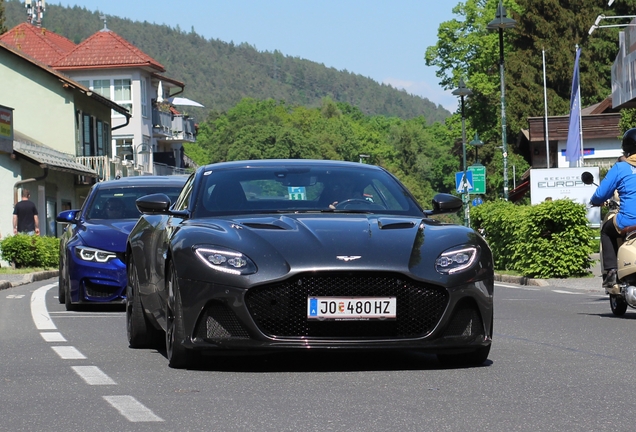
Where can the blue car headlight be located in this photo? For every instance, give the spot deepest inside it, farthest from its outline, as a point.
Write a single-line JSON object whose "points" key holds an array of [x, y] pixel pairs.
{"points": [[456, 260], [95, 255], [225, 260]]}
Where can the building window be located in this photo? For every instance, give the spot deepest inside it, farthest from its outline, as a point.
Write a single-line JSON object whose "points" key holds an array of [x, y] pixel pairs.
{"points": [[122, 93], [123, 148], [102, 87], [144, 98], [88, 136]]}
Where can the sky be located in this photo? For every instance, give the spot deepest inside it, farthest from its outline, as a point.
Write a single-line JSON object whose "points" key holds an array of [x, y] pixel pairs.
{"points": [[384, 40]]}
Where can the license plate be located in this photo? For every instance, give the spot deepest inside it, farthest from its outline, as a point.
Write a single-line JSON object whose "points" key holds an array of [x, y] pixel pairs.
{"points": [[351, 308]]}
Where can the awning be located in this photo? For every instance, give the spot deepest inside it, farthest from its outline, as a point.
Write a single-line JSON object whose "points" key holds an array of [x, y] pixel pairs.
{"points": [[519, 192], [51, 158]]}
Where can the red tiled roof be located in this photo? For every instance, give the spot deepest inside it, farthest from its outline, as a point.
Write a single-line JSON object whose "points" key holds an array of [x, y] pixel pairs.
{"points": [[106, 49], [37, 42]]}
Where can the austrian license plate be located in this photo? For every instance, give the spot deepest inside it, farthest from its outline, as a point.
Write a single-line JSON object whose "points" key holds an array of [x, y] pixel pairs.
{"points": [[351, 308]]}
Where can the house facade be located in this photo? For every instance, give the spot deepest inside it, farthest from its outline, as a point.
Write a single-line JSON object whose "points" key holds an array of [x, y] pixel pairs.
{"points": [[46, 116], [150, 140], [82, 113]]}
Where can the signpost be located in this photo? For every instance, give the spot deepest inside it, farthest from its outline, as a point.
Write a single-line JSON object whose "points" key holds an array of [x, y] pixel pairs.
{"points": [[478, 179]]}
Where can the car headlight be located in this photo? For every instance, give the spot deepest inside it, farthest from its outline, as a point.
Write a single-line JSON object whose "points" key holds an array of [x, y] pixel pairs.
{"points": [[225, 260], [456, 260], [95, 255]]}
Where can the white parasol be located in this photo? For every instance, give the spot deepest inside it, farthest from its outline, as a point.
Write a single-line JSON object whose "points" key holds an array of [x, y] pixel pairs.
{"points": [[180, 101], [160, 93]]}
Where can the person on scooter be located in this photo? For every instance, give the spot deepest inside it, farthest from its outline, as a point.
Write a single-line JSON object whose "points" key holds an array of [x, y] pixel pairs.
{"points": [[621, 178]]}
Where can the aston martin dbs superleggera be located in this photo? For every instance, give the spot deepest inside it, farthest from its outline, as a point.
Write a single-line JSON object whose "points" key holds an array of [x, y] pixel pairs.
{"points": [[305, 254]]}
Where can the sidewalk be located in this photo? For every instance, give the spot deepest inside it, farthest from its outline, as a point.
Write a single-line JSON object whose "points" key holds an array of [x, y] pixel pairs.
{"points": [[11, 280]]}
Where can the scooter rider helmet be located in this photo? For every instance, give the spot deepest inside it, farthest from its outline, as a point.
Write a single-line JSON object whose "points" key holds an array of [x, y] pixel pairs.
{"points": [[629, 142]]}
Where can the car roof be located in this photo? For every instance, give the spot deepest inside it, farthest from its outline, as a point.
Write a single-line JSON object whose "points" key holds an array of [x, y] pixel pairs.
{"points": [[173, 180], [286, 162]]}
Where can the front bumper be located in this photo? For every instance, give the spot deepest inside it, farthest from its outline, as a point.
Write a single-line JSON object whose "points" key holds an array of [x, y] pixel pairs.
{"points": [[92, 282], [272, 317]]}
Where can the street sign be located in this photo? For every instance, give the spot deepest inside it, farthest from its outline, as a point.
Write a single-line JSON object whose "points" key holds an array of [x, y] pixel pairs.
{"points": [[477, 201], [479, 178], [459, 186]]}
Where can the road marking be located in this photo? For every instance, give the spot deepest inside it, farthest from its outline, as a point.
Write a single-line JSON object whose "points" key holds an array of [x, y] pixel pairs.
{"points": [[15, 296], [567, 292], [53, 336], [93, 375], [40, 314], [68, 353], [132, 409]]}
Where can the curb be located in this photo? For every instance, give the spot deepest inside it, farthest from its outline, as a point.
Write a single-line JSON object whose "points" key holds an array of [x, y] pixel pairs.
{"points": [[28, 278], [521, 280]]}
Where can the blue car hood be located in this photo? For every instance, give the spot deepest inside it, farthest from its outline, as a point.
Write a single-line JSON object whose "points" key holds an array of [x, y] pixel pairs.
{"points": [[109, 236]]}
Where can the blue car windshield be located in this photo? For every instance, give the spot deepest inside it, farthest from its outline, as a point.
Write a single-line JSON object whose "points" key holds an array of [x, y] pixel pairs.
{"points": [[278, 189], [119, 203]]}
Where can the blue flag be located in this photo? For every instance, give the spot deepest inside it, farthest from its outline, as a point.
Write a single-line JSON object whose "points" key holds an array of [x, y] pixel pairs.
{"points": [[573, 147]]}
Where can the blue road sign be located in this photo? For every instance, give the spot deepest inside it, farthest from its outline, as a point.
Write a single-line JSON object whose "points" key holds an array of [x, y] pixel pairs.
{"points": [[459, 186], [477, 201]]}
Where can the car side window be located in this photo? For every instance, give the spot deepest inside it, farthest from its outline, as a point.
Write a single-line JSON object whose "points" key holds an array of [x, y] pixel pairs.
{"points": [[183, 201]]}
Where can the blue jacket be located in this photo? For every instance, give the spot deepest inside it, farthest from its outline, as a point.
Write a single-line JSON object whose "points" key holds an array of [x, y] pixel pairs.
{"points": [[621, 177]]}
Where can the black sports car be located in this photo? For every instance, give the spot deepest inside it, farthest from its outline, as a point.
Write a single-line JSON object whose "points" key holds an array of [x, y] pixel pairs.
{"points": [[305, 254]]}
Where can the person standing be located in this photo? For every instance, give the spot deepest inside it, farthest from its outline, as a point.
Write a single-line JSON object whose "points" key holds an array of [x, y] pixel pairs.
{"points": [[25, 216]]}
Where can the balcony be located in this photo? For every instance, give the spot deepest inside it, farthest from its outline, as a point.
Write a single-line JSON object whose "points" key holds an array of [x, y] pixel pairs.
{"points": [[172, 127]]}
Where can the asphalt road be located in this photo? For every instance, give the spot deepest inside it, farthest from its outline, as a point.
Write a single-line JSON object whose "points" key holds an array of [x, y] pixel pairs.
{"points": [[559, 363]]}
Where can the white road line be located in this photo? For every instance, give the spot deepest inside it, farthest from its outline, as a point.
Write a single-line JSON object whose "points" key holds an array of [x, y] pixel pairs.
{"points": [[53, 337], [567, 292], [132, 409], [93, 375], [68, 353], [40, 314]]}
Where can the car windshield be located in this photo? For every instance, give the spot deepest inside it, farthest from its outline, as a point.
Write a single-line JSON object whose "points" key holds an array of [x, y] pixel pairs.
{"points": [[119, 203], [278, 189]]}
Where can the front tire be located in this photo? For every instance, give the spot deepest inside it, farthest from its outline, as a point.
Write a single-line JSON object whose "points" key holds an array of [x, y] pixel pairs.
{"points": [[179, 357], [618, 305], [61, 285], [67, 297], [141, 334]]}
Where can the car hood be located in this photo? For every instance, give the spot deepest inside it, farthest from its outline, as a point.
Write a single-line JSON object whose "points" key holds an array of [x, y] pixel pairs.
{"points": [[339, 242], [108, 235]]}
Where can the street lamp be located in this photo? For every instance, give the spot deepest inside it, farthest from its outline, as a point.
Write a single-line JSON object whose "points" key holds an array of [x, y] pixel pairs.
{"points": [[476, 142], [462, 91], [500, 23]]}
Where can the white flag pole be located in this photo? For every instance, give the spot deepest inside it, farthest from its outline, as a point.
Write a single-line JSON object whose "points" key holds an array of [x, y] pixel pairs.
{"points": [[545, 103]]}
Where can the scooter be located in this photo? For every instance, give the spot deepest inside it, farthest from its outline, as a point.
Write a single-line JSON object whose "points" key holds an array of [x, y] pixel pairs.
{"points": [[623, 293]]}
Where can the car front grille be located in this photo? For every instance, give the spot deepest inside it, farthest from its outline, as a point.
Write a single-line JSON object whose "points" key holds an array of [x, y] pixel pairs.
{"points": [[280, 310], [466, 322], [219, 322], [96, 290]]}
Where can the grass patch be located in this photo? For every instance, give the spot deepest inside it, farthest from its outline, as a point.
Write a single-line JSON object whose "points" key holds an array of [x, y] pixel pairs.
{"points": [[9, 270]]}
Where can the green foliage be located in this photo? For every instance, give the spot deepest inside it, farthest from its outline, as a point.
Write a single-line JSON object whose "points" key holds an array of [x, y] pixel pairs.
{"points": [[556, 240], [500, 221], [551, 239], [23, 250], [219, 74], [628, 120], [3, 27]]}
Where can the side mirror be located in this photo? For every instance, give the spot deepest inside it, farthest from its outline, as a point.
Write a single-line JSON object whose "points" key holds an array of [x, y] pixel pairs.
{"points": [[153, 204], [587, 178], [445, 203], [67, 216]]}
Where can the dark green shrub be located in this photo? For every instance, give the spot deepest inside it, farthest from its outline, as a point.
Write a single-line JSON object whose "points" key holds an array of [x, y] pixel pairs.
{"points": [[557, 241], [551, 239], [23, 250]]}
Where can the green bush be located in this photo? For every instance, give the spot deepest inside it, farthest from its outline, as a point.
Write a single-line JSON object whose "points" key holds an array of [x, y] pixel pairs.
{"points": [[551, 239], [23, 250]]}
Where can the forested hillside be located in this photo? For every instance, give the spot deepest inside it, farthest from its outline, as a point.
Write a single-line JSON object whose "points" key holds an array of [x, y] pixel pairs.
{"points": [[219, 74]]}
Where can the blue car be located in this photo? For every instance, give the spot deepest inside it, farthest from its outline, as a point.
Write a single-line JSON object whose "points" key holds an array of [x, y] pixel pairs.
{"points": [[92, 248]]}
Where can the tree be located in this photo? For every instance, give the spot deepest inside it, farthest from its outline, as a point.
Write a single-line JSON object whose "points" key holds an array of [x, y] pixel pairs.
{"points": [[3, 28]]}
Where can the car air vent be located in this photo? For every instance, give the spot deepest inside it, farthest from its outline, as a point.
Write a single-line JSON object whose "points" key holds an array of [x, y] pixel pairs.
{"points": [[264, 226], [384, 224]]}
